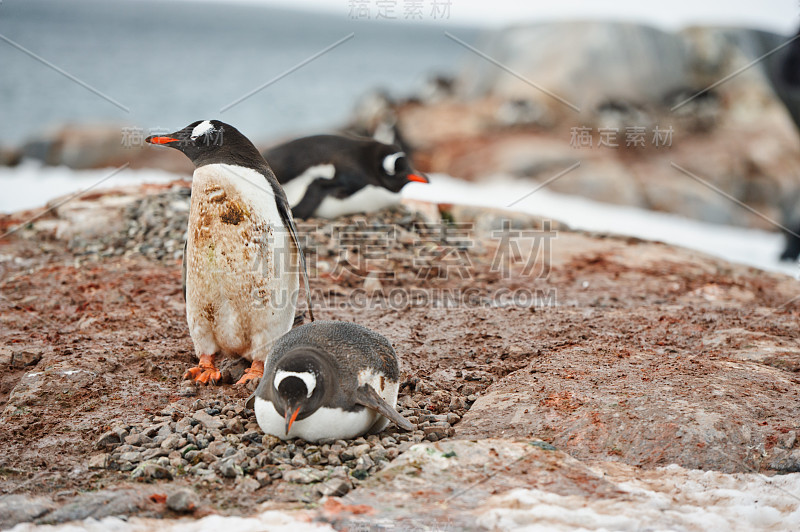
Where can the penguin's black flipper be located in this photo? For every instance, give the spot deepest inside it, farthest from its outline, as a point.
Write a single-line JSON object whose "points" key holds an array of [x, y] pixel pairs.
{"points": [[251, 401], [316, 192], [285, 212], [183, 274], [367, 396]]}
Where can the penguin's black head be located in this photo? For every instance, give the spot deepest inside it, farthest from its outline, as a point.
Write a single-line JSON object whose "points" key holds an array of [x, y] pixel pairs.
{"points": [[208, 141], [394, 169], [301, 384]]}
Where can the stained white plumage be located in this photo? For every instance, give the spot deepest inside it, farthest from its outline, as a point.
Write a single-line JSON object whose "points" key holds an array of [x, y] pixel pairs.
{"points": [[239, 299]]}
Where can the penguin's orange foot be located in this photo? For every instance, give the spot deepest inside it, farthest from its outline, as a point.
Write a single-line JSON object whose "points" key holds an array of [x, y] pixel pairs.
{"points": [[255, 371], [205, 371]]}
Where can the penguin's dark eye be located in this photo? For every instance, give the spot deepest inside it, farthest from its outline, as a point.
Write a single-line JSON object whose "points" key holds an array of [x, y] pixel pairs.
{"points": [[400, 166]]}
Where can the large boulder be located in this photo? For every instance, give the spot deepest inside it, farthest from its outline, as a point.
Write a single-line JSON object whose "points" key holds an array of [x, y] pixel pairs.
{"points": [[736, 141]]}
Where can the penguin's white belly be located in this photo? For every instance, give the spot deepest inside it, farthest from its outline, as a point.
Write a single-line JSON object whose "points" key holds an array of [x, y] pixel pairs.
{"points": [[242, 274], [324, 423], [328, 422], [371, 198], [296, 188]]}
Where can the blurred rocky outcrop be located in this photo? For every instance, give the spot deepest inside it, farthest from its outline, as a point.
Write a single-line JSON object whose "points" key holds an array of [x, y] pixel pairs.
{"points": [[688, 122], [100, 146], [627, 101]]}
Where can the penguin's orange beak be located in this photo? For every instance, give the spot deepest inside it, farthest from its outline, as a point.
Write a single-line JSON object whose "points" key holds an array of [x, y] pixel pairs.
{"points": [[418, 178], [160, 140], [290, 420]]}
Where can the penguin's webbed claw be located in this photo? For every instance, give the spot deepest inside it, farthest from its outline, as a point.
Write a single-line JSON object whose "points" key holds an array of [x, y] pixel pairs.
{"points": [[205, 372], [255, 371]]}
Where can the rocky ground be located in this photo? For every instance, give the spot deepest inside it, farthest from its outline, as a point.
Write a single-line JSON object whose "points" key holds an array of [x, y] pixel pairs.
{"points": [[546, 370]]}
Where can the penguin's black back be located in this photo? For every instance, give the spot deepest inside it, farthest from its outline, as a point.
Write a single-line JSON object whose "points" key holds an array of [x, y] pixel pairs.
{"points": [[353, 348], [292, 158]]}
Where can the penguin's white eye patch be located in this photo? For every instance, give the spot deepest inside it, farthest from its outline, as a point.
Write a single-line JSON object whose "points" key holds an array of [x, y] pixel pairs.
{"points": [[202, 128], [390, 160], [309, 379]]}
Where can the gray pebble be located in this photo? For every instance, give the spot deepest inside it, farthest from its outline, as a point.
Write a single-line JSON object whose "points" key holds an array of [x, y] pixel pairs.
{"points": [[334, 487], [305, 475], [207, 420], [182, 501], [149, 471], [228, 468]]}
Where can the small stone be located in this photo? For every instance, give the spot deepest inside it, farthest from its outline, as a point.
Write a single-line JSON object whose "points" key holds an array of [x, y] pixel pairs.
{"points": [[252, 436], [189, 447], [248, 484], [218, 448], [263, 478], [99, 461], [187, 390], [305, 475], [364, 463], [150, 471], [165, 431], [269, 441], [786, 462], [182, 501], [334, 487], [171, 442], [228, 468], [334, 460], [138, 439], [107, 440], [235, 425], [183, 425], [131, 456], [175, 459], [789, 440], [208, 421], [378, 454], [155, 452], [457, 403], [314, 458], [299, 460]]}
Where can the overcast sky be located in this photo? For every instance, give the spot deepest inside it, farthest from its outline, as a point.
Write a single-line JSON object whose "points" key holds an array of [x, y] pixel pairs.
{"points": [[777, 15]]}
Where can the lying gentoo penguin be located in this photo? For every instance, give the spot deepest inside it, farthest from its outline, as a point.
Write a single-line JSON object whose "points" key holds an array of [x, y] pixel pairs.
{"points": [[331, 176], [242, 256], [328, 379]]}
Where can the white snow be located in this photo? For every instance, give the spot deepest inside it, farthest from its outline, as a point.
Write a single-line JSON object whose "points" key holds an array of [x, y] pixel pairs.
{"points": [[31, 185], [271, 521], [752, 247], [670, 498]]}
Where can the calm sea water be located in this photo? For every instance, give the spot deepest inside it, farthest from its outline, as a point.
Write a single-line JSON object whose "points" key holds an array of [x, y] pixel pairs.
{"points": [[171, 63]]}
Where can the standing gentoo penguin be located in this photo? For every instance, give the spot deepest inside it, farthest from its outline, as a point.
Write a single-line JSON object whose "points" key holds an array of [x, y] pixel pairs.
{"points": [[331, 176], [242, 257], [328, 379]]}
